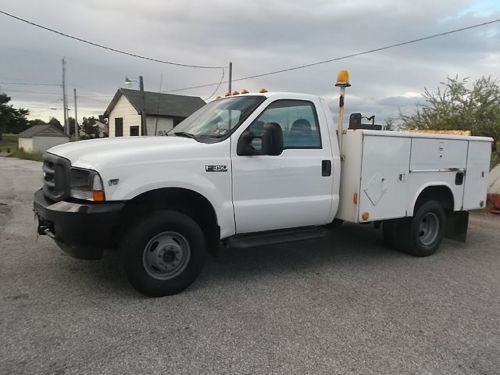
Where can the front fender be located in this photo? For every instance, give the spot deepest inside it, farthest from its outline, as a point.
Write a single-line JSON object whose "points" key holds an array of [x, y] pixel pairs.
{"points": [[215, 187]]}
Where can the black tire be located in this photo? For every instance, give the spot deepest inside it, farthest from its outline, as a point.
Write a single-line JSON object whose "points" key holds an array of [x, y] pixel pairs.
{"points": [[422, 234], [154, 244]]}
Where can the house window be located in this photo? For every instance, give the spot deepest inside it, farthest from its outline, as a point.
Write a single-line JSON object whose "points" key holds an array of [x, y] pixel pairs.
{"points": [[119, 127], [134, 130]]}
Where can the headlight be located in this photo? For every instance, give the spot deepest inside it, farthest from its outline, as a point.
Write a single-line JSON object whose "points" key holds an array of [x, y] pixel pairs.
{"points": [[86, 184]]}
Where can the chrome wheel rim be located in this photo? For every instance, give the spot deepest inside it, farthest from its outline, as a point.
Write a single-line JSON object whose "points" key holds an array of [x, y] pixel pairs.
{"points": [[166, 255], [428, 229]]}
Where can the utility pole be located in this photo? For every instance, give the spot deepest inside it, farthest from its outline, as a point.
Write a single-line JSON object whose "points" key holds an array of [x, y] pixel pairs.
{"points": [[144, 125], [230, 77], [77, 133], [65, 103]]}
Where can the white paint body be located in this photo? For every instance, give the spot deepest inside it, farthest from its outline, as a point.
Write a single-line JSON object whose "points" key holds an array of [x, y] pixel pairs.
{"points": [[388, 171], [260, 193], [40, 144]]}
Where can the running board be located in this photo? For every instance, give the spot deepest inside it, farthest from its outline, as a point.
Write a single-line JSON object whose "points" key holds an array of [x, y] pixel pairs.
{"points": [[243, 241]]}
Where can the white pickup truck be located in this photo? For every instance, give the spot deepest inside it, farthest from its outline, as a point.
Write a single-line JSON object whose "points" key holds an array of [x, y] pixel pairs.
{"points": [[248, 170]]}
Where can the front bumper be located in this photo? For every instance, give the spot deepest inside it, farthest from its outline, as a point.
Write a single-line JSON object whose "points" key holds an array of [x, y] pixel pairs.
{"points": [[81, 229]]}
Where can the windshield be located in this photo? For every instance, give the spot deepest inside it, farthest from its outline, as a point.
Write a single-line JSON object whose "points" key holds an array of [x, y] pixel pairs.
{"points": [[218, 118]]}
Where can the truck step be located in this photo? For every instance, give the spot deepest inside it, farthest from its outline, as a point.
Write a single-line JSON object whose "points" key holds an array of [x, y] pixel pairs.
{"points": [[243, 241]]}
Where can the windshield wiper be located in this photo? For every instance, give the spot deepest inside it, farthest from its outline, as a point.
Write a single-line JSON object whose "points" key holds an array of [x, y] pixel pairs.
{"points": [[184, 134]]}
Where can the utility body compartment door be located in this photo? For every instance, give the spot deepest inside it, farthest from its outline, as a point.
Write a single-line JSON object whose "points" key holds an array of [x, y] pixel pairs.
{"points": [[384, 177], [437, 161], [476, 175]]}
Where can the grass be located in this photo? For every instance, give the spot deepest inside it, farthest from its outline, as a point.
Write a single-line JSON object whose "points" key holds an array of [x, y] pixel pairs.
{"points": [[8, 147], [8, 143], [21, 154], [495, 159]]}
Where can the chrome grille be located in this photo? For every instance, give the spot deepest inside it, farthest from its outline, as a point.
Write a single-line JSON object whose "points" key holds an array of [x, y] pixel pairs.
{"points": [[56, 177]]}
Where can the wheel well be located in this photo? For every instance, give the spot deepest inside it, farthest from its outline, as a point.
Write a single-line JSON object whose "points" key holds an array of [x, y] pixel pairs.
{"points": [[440, 193], [186, 201]]}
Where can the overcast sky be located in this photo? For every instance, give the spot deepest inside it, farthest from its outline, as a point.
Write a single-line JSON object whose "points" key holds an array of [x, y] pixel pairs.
{"points": [[257, 36]]}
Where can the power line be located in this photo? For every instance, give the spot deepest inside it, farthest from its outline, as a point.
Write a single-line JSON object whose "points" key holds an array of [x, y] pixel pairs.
{"points": [[106, 47], [28, 84], [218, 86], [31, 92], [433, 36]]}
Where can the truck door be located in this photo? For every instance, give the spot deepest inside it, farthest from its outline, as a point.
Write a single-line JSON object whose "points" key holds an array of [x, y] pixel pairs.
{"points": [[292, 189]]}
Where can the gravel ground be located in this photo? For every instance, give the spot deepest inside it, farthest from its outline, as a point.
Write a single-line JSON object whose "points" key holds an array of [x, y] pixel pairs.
{"points": [[341, 304]]}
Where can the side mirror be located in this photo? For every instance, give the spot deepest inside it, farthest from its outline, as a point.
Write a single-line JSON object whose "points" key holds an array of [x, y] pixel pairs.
{"points": [[270, 142], [272, 139], [244, 147]]}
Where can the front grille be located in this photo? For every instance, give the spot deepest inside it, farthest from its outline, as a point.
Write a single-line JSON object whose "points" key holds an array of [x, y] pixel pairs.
{"points": [[56, 177]]}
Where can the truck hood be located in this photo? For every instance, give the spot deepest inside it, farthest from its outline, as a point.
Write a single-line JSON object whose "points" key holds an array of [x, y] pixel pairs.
{"points": [[96, 153]]}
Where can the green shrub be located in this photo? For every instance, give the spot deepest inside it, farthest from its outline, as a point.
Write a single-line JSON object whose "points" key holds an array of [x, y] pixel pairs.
{"points": [[21, 154]]}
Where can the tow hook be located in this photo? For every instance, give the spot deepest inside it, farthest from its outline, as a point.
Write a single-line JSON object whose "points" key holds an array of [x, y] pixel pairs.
{"points": [[45, 230]]}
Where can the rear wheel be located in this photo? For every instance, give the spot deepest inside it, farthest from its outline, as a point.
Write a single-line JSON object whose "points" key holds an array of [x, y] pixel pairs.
{"points": [[422, 234], [164, 253]]}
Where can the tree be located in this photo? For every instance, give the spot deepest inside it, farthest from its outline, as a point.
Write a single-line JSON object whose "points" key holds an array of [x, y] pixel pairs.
{"points": [[89, 127], [56, 123], [459, 106], [71, 124], [12, 120], [389, 124], [36, 121]]}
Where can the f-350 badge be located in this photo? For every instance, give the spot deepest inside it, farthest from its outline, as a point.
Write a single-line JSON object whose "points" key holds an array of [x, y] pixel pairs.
{"points": [[215, 168]]}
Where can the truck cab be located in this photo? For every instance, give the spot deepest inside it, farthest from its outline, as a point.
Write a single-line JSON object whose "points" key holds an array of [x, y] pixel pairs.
{"points": [[247, 170]]}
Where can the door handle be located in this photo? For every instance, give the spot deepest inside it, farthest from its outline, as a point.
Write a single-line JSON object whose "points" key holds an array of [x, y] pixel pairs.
{"points": [[326, 168]]}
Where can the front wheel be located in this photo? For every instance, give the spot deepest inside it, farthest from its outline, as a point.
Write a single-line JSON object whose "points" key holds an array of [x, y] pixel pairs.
{"points": [[422, 234], [163, 253]]}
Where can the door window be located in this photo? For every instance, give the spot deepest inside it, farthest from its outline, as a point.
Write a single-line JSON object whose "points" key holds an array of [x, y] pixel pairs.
{"points": [[298, 120]]}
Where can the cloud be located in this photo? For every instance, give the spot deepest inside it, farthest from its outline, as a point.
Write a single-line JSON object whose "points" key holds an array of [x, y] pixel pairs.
{"points": [[257, 36]]}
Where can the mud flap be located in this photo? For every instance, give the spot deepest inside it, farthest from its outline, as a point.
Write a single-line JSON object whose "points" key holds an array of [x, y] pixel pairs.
{"points": [[457, 225]]}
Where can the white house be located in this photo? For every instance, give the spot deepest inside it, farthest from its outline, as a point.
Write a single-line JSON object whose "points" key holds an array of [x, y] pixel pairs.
{"points": [[103, 129], [163, 112], [40, 138]]}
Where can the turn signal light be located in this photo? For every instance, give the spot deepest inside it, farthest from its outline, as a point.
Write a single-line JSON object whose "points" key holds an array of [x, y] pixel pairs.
{"points": [[355, 198], [98, 196], [365, 216]]}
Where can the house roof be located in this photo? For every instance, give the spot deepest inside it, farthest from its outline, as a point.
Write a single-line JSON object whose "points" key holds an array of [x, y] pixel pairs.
{"points": [[42, 131], [159, 104]]}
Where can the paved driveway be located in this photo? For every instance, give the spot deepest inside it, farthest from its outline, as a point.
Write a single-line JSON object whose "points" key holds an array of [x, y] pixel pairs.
{"points": [[343, 304]]}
